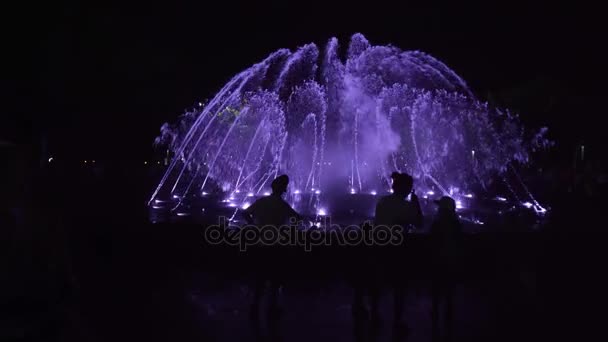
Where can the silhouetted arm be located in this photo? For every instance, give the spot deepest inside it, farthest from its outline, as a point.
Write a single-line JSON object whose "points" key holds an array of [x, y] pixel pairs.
{"points": [[248, 213], [293, 213], [418, 217]]}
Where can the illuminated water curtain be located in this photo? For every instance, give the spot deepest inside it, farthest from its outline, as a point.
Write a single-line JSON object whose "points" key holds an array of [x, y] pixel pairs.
{"points": [[345, 123]]}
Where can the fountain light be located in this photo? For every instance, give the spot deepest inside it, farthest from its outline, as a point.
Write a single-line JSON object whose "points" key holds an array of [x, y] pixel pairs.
{"points": [[237, 191], [459, 205], [501, 199], [374, 193], [250, 194], [157, 207], [468, 195], [297, 192], [204, 193], [232, 205], [183, 214], [321, 212], [352, 191], [430, 192], [317, 192], [527, 205], [266, 193], [245, 205]]}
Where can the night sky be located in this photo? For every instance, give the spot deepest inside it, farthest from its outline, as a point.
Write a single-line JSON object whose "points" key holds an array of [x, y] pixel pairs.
{"points": [[98, 80]]}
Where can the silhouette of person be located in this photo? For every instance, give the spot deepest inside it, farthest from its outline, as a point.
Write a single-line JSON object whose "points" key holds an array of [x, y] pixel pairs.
{"points": [[446, 234], [391, 210], [270, 211]]}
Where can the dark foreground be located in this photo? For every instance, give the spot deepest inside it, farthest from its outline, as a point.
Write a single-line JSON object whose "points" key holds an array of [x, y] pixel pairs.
{"points": [[87, 267]]}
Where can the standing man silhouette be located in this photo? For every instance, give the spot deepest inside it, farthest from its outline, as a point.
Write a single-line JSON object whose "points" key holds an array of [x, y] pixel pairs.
{"points": [[395, 210], [273, 212]]}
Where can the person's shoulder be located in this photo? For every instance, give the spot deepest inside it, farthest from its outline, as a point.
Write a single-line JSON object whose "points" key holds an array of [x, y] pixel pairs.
{"points": [[385, 199]]}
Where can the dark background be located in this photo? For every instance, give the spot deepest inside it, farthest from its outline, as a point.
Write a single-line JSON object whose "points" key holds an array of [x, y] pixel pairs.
{"points": [[96, 80]]}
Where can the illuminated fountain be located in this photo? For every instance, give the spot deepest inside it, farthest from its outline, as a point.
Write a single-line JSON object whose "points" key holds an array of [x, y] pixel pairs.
{"points": [[341, 126]]}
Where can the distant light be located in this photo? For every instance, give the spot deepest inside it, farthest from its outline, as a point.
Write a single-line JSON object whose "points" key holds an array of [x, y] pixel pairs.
{"points": [[250, 194], [539, 209], [232, 205], [321, 212], [430, 192], [267, 193], [352, 190], [200, 104], [502, 199], [318, 224], [296, 192], [391, 191], [175, 196], [425, 196], [245, 205], [459, 205], [468, 195], [183, 214], [312, 189], [50, 159], [237, 191], [473, 153], [317, 192], [93, 161], [145, 163], [158, 163], [478, 222], [204, 193], [157, 207], [373, 192], [231, 198], [527, 205], [85, 161]]}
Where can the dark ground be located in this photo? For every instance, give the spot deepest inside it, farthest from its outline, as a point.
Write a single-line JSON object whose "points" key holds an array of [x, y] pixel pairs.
{"points": [[87, 267]]}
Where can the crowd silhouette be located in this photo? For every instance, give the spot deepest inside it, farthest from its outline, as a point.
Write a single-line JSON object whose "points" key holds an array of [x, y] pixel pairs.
{"points": [[377, 267]]}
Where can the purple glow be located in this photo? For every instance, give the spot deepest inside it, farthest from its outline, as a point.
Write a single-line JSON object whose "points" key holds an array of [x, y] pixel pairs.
{"points": [[245, 205], [374, 193], [430, 192], [501, 199], [459, 205], [232, 205], [317, 192], [204, 193], [250, 194], [267, 193], [468, 195], [327, 121], [321, 212], [297, 192]]}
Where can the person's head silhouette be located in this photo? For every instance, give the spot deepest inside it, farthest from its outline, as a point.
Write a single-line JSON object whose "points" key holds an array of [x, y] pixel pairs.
{"points": [[402, 183], [446, 206], [279, 185]]}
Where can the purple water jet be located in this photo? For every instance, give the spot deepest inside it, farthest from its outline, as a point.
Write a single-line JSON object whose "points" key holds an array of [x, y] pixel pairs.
{"points": [[343, 126]]}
